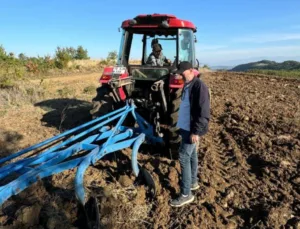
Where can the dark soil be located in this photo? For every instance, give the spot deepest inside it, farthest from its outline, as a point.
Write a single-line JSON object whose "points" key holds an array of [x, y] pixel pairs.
{"points": [[248, 171]]}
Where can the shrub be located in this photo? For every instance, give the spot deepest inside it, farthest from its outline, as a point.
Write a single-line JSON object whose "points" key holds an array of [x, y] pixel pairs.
{"points": [[13, 68], [22, 57], [63, 56], [103, 63], [112, 57], [81, 54], [10, 71], [31, 67], [39, 64], [2, 53]]}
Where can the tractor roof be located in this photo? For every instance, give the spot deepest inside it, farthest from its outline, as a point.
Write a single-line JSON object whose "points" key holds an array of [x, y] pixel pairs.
{"points": [[157, 21]]}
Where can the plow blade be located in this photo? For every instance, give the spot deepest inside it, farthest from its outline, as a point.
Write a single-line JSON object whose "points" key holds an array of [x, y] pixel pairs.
{"points": [[88, 143]]}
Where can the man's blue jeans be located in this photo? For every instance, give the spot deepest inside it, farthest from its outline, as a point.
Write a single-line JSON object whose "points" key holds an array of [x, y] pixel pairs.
{"points": [[188, 159]]}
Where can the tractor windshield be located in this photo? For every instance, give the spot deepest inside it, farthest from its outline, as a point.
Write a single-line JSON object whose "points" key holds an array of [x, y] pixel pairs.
{"points": [[136, 51], [167, 44]]}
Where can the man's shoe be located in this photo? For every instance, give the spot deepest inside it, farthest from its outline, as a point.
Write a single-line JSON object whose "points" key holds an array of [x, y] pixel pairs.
{"points": [[195, 186], [181, 200]]}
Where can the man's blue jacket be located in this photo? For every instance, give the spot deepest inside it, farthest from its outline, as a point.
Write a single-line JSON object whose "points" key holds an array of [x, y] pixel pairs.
{"points": [[199, 107]]}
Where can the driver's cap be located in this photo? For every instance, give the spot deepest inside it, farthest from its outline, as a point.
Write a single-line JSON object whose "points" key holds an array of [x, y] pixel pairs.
{"points": [[156, 47], [184, 65]]}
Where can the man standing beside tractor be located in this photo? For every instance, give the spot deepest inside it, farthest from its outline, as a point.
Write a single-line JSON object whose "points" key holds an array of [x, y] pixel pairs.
{"points": [[193, 119]]}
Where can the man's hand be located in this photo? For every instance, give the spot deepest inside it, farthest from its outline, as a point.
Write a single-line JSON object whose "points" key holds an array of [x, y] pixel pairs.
{"points": [[168, 61], [194, 138]]}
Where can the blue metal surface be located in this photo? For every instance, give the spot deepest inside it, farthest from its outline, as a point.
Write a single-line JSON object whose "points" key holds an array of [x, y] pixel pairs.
{"points": [[39, 145], [96, 142]]}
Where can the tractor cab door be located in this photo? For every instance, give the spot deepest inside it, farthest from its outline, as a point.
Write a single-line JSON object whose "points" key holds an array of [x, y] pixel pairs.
{"points": [[186, 46]]}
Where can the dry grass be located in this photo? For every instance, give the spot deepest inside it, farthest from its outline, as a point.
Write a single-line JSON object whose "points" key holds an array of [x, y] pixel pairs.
{"points": [[96, 62], [137, 62], [84, 63], [126, 206], [33, 108], [21, 94], [30, 92]]}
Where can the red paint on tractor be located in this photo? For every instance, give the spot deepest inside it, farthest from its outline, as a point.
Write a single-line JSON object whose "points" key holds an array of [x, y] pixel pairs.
{"points": [[173, 22], [122, 93], [177, 81], [106, 75]]}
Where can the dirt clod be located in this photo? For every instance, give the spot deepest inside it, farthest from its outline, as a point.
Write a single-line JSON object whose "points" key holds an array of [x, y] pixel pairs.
{"points": [[125, 181], [29, 215]]}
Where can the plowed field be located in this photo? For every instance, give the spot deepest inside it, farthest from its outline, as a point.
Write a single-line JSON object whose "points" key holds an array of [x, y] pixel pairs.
{"points": [[249, 167]]}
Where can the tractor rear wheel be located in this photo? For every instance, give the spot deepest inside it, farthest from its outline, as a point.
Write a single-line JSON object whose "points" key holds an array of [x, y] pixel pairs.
{"points": [[103, 102], [175, 97]]}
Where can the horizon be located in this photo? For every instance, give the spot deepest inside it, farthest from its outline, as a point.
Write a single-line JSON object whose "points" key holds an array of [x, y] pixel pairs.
{"points": [[228, 34]]}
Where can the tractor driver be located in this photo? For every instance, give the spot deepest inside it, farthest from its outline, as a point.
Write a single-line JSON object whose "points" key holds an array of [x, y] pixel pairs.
{"points": [[156, 58]]}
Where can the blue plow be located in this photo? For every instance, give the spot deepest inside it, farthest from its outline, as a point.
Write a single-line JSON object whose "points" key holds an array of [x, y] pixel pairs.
{"points": [[82, 139]]}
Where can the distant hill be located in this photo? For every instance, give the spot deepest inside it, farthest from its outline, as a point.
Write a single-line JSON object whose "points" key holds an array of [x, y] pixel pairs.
{"points": [[270, 65]]}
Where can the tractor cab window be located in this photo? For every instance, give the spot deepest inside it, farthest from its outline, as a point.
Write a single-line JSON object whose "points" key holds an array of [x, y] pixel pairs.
{"points": [[186, 46], [136, 53], [167, 45]]}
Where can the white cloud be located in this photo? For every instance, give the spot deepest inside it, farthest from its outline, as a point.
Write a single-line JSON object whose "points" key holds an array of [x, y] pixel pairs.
{"points": [[270, 37]]}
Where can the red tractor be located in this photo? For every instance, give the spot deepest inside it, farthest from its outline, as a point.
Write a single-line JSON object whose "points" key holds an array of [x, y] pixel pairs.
{"points": [[155, 90]]}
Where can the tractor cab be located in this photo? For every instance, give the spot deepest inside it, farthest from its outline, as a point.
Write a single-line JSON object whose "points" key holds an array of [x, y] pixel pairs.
{"points": [[175, 37]]}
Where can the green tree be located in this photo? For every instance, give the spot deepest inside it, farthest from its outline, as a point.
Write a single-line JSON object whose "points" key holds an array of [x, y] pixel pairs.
{"points": [[62, 57], [72, 52], [3, 54], [22, 57], [112, 56], [81, 53], [11, 55]]}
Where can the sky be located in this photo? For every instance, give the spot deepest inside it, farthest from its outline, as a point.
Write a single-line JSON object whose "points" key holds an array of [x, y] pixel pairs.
{"points": [[230, 32]]}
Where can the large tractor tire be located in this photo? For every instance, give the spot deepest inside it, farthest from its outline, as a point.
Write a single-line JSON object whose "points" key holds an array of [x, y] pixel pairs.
{"points": [[102, 103], [175, 97]]}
